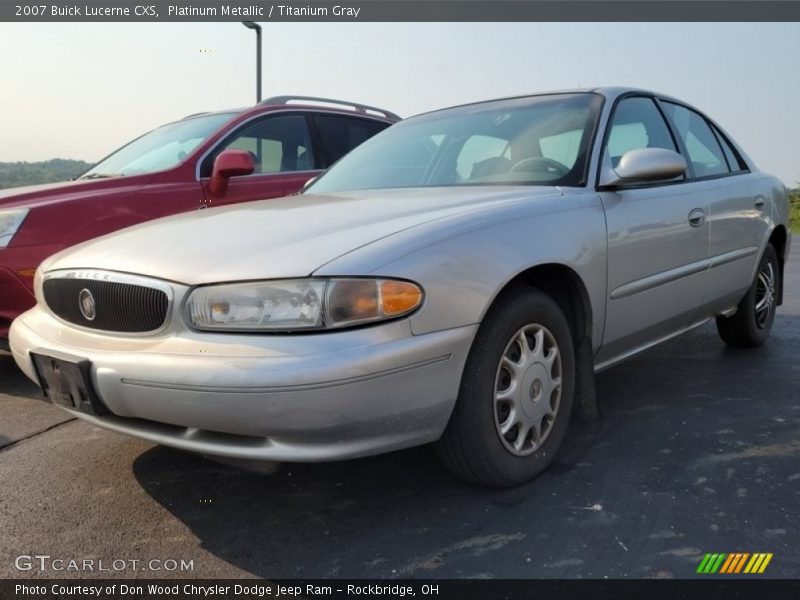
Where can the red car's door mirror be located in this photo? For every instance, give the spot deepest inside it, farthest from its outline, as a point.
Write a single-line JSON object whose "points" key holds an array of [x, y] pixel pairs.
{"points": [[230, 163]]}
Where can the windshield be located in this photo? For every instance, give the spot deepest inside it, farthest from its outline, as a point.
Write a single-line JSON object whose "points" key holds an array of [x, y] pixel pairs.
{"points": [[540, 140], [160, 149]]}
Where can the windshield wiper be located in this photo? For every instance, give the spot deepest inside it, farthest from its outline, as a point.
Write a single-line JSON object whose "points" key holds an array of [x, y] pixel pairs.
{"points": [[98, 176]]}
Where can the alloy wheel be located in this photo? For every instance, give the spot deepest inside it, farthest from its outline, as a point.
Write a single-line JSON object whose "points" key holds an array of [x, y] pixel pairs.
{"points": [[765, 294]]}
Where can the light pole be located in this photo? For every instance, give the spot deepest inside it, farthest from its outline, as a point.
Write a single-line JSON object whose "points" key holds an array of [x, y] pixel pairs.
{"points": [[257, 28]]}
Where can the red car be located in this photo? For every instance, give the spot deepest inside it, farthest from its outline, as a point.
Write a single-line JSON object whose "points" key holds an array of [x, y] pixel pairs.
{"points": [[209, 159]]}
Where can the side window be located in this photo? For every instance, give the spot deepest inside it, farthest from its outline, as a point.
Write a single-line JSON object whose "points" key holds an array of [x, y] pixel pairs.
{"points": [[637, 123], [478, 156], [701, 144], [278, 144], [340, 134], [735, 163]]}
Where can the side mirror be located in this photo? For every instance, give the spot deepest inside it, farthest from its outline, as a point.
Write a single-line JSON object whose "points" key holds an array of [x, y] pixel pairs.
{"points": [[229, 163], [645, 165]]}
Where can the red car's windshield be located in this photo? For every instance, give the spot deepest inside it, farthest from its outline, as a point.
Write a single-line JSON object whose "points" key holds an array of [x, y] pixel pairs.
{"points": [[160, 149]]}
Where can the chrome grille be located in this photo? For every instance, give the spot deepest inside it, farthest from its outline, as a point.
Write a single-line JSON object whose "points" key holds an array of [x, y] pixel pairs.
{"points": [[118, 307]]}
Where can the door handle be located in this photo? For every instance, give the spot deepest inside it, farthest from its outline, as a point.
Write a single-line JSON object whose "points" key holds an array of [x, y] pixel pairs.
{"points": [[697, 217], [760, 202]]}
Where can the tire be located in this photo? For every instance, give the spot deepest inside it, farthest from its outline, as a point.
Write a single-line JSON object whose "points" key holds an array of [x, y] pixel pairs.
{"points": [[473, 446], [749, 327]]}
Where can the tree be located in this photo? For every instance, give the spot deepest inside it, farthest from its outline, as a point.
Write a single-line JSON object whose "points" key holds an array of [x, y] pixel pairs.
{"points": [[14, 174]]}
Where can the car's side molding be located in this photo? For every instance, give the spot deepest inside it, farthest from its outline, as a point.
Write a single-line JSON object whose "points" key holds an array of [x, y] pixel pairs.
{"points": [[653, 281], [727, 257]]}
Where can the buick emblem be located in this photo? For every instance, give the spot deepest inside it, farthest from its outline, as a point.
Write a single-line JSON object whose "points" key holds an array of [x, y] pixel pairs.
{"points": [[87, 305]]}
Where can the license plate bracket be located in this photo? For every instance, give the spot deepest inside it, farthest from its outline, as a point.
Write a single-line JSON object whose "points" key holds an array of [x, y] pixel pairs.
{"points": [[66, 381]]}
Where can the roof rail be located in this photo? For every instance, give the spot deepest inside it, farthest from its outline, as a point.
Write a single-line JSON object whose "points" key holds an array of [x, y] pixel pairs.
{"points": [[195, 115], [362, 108]]}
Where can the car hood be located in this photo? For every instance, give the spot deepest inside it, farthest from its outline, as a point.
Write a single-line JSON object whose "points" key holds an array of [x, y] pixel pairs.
{"points": [[33, 196], [288, 237]]}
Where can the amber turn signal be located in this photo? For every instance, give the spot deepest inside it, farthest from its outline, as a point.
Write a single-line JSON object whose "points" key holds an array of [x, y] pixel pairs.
{"points": [[399, 297], [355, 301]]}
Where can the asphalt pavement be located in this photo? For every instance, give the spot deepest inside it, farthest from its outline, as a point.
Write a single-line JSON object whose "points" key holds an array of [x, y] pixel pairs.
{"points": [[697, 450]]}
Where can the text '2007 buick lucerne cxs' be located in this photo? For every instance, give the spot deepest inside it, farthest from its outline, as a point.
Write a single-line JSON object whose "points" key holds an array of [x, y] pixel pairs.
{"points": [[456, 279]]}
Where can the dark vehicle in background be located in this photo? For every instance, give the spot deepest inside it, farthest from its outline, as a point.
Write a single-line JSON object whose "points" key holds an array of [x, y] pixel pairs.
{"points": [[208, 159]]}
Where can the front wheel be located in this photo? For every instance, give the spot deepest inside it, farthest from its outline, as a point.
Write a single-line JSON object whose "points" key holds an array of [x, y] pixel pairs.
{"points": [[752, 322], [516, 393]]}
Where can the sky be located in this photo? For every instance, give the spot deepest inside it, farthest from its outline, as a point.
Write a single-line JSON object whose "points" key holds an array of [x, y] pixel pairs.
{"points": [[81, 90]]}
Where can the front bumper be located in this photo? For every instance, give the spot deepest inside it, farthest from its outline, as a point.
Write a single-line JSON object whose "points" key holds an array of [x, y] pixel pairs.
{"points": [[311, 397]]}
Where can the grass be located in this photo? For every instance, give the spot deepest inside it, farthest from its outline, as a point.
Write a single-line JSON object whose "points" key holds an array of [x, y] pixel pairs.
{"points": [[794, 211]]}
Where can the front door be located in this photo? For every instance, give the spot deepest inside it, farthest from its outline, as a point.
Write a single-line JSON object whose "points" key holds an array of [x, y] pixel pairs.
{"points": [[657, 240]]}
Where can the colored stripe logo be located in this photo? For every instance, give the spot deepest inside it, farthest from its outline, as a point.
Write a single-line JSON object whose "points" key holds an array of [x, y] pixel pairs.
{"points": [[737, 562]]}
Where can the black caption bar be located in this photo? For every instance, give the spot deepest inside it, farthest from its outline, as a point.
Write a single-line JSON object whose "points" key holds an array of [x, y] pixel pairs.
{"points": [[402, 10], [733, 588]]}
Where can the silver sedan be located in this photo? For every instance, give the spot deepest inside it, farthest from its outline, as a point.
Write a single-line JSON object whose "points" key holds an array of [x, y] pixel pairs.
{"points": [[456, 279]]}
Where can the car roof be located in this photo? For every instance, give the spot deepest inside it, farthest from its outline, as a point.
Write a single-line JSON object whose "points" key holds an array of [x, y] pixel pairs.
{"points": [[609, 92], [617, 91], [308, 103]]}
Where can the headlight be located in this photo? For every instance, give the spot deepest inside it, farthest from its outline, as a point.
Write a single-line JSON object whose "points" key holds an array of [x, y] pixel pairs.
{"points": [[10, 220], [300, 304]]}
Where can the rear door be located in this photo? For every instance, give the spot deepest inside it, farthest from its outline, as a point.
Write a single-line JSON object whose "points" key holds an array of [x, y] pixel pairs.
{"points": [[657, 239], [737, 223], [282, 150]]}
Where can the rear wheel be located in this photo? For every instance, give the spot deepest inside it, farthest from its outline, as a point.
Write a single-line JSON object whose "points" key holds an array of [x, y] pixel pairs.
{"points": [[516, 393], [752, 322]]}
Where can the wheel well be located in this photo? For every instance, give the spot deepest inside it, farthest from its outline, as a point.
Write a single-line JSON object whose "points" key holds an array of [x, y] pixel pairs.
{"points": [[564, 286], [778, 241]]}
